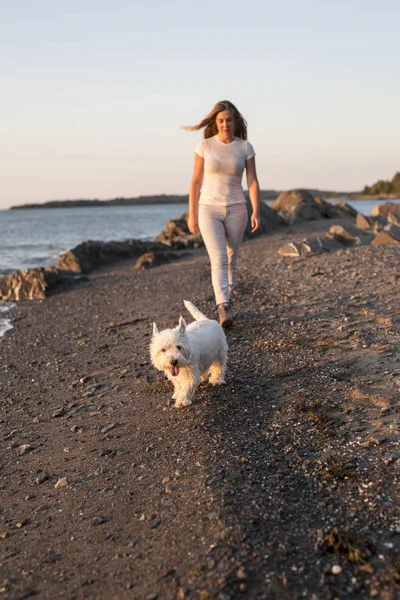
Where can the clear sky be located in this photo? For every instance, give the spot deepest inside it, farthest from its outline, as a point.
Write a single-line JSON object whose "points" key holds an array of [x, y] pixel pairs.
{"points": [[93, 92]]}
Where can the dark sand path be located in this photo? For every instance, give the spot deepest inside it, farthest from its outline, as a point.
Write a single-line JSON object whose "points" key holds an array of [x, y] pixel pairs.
{"points": [[283, 484]]}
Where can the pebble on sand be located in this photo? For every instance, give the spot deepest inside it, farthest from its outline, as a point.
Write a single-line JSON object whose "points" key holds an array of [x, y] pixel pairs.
{"points": [[336, 569], [62, 482]]}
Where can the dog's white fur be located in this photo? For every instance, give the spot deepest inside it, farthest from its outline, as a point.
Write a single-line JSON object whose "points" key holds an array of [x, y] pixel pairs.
{"points": [[189, 354]]}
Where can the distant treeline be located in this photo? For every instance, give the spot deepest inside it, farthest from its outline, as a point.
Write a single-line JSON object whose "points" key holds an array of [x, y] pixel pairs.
{"points": [[384, 188], [161, 199]]}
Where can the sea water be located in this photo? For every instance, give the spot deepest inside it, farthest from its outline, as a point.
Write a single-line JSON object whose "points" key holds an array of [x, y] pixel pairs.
{"points": [[32, 238]]}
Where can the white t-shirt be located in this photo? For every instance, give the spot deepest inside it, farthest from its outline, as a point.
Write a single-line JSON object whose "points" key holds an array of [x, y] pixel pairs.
{"points": [[223, 170]]}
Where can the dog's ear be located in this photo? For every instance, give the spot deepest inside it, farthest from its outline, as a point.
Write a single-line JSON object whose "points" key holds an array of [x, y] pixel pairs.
{"points": [[155, 329], [182, 325]]}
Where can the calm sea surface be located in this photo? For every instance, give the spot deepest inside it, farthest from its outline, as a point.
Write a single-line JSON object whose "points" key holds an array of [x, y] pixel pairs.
{"points": [[36, 237]]}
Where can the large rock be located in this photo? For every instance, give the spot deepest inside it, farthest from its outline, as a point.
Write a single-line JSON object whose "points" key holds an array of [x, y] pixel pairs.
{"points": [[34, 284], [187, 242], [176, 235], [303, 248], [363, 222], [174, 228], [393, 219], [270, 220], [313, 246], [350, 236], [375, 223], [328, 210], [297, 205], [292, 249], [300, 205], [331, 244], [385, 237], [370, 223], [393, 229], [90, 255], [383, 210], [156, 258], [346, 208]]}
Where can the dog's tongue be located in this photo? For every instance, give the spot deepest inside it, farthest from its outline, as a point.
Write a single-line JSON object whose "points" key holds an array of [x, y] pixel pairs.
{"points": [[174, 371]]}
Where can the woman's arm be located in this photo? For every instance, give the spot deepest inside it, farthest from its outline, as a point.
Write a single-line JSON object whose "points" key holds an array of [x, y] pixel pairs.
{"points": [[254, 193], [194, 194]]}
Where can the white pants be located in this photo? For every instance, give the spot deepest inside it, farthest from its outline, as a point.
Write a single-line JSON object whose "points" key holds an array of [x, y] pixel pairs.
{"points": [[222, 229]]}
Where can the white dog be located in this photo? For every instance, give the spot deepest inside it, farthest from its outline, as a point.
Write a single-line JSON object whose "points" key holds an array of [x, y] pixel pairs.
{"points": [[188, 354]]}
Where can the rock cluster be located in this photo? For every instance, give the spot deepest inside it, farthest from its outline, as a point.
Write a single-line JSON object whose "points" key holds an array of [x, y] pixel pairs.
{"points": [[173, 242], [367, 230], [300, 205], [90, 255], [386, 210], [176, 234], [33, 284], [155, 258]]}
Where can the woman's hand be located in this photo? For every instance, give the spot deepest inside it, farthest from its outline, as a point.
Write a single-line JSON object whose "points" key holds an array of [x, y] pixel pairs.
{"points": [[193, 224], [255, 222]]}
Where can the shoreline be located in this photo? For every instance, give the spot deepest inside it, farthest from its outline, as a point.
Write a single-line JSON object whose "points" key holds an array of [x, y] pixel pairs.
{"points": [[53, 260], [5, 324], [171, 243]]}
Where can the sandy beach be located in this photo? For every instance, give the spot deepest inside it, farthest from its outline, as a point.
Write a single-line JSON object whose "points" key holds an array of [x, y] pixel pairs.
{"points": [[283, 484]]}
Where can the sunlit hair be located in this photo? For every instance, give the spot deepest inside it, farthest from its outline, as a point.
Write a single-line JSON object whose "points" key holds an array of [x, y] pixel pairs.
{"points": [[209, 122]]}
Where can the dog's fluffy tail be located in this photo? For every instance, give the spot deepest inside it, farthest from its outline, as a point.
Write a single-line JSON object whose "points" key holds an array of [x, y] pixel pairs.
{"points": [[196, 314]]}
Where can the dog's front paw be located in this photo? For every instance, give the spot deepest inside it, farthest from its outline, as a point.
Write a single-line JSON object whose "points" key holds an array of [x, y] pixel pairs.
{"points": [[217, 381], [182, 403]]}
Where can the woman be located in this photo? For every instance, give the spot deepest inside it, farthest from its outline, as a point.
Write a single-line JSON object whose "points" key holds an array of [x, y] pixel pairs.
{"points": [[217, 205]]}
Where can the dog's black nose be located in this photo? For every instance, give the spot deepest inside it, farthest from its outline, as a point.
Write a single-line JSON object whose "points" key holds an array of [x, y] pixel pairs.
{"points": [[174, 363]]}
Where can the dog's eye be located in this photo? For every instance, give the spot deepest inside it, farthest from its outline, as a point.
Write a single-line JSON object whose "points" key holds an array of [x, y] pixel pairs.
{"points": [[178, 347], [162, 349]]}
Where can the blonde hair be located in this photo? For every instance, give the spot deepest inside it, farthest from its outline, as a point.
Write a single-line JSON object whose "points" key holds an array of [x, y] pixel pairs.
{"points": [[210, 126]]}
